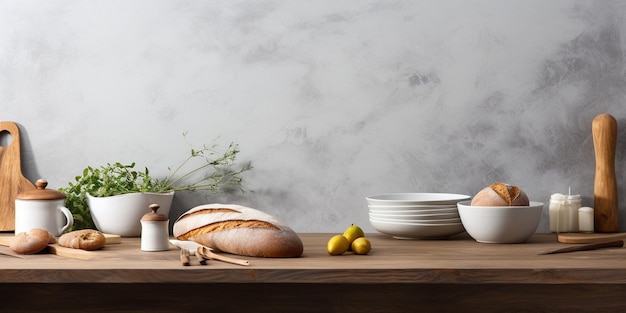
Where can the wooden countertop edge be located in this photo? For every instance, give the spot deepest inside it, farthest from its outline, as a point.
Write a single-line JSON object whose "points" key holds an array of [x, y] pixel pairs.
{"points": [[460, 261], [320, 276]]}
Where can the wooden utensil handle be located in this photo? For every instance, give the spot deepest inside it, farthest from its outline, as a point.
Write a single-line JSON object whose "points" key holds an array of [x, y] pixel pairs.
{"points": [[593, 246], [606, 215], [200, 256], [212, 255], [184, 257]]}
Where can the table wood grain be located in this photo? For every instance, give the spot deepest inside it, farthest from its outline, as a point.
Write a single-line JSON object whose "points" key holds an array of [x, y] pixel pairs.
{"points": [[397, 275]]}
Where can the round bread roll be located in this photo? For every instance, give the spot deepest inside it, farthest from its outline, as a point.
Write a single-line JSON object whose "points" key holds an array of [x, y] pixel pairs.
{"points": [[52, 239], [501, 194], [85, 239], [31, 241]]}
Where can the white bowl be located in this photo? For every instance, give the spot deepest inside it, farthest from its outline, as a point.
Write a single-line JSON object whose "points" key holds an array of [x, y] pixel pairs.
{"points": [[121, 214], [500, 224], [412, 212], [417, 231], [415, 198]]}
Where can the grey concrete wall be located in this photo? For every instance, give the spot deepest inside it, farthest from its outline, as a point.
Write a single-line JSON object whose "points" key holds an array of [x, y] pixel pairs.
{"points": [[330, 100]]}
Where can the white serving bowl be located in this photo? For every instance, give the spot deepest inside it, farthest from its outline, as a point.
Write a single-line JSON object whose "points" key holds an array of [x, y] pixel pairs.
{"points": [[416, 230], [500, 224], [397, 199], [121, 214]]}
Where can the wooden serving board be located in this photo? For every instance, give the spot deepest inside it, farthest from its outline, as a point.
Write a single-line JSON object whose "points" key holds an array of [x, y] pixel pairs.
{"points": [[68, 252], [112, 239], [589, 238], [71, 253], [12, 182]]}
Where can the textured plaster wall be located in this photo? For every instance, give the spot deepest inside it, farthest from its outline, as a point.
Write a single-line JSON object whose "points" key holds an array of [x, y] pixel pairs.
{"points": [[330, 100]]}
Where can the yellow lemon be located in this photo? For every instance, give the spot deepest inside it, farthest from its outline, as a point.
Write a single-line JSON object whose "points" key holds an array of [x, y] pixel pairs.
{"points": [[361, 246], [353, 232], [337, 245]]}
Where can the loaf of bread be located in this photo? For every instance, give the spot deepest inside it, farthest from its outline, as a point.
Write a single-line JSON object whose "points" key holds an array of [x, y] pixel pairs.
{"points": [[238, 230], [85, 239], [501, 194]]}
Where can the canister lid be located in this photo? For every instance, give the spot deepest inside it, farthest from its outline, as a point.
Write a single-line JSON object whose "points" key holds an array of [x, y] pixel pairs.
{"points": [[560, 196], [40, 193], [557, 196], [154, 216]]}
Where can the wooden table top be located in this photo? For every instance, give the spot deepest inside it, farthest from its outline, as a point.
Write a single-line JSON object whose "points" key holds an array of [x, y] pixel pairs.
{"points": [[455, 260]]}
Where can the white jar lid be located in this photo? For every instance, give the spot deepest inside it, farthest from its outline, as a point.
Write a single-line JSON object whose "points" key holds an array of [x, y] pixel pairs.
{"points": [[154, 216], [557, 196]]}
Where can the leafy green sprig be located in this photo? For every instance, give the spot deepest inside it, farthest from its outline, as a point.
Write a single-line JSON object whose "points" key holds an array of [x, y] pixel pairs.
{"points": [[214, 173]]}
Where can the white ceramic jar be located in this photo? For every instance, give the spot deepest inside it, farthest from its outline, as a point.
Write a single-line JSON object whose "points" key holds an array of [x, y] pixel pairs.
{"points": [[563, 210], [42, 208], [154, 231], [585, 220]]}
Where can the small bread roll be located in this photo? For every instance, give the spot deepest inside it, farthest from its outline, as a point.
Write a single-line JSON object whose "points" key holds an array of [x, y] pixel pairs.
{"points": [[52, 238], [85, 239], [501, 194], [30, 242]]}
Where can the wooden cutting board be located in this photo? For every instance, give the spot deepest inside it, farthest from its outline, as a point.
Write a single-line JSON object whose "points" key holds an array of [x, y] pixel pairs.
{"points": [[12, 182], [589, 238], [58, 250]]}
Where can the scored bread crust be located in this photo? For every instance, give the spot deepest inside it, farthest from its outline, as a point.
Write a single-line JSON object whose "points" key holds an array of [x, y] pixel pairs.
{"points": [[500, 194], [238, 230], [84, 239]]}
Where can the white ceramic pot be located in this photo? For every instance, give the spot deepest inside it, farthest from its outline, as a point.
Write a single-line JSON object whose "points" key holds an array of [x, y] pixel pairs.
{"points": [[42, 208], [121, 214]]}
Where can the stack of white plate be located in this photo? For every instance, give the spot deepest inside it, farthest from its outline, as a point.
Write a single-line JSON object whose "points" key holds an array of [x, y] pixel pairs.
{"points": [[416, 215]]}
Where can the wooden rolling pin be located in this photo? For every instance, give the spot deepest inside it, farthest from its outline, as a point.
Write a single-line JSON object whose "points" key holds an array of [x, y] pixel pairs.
{"points": [[606, 215]]}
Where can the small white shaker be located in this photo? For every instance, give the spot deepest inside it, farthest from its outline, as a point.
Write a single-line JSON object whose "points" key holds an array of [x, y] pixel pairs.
{"points": [[154, 232], [585, 219]]}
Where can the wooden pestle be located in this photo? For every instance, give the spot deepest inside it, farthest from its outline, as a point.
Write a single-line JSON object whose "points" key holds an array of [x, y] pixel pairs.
{"points": [[606, 214]]}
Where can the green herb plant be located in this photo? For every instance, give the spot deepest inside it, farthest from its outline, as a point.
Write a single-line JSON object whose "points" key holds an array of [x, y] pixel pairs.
{"points": [[212, 172]]}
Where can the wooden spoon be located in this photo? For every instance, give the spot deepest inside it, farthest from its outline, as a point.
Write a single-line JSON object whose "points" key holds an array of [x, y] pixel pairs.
{"points": [[209, 254]]}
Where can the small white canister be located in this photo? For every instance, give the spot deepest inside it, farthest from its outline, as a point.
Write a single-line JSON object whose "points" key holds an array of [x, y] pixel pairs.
{"points": [[154, 232], [42, 208], [563, 212], [585, 220]]}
